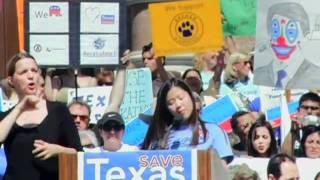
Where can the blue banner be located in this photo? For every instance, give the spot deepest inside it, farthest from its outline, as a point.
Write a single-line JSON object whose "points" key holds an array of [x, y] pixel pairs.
{"points": [[138, 165], [220, 112], [273, 115], [137, 129]]}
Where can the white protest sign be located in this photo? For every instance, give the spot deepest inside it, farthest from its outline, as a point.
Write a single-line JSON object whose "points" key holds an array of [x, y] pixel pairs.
{"points": [[270, 96], [138, 94], [49, 17], [96, 97]]}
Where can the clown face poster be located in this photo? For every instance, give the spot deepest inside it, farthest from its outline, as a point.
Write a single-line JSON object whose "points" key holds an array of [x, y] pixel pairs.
{"points": [[287, 51]]}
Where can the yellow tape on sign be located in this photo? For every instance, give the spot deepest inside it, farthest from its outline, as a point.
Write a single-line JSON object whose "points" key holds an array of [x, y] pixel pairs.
{"points": [[186, 26]]}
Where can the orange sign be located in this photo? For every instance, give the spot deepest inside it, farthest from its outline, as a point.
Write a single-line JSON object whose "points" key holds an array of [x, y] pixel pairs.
{"points": [[186, 26]]}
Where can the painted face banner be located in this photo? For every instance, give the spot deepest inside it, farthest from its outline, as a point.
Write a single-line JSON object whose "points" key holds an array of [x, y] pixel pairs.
{"points": [[286, 52]]}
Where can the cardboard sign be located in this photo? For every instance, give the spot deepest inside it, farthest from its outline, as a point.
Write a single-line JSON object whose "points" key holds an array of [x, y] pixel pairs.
{"points": [[286, 50], [186, 26], [138, 94], [220, 112], [96, 97], [138, 165]]}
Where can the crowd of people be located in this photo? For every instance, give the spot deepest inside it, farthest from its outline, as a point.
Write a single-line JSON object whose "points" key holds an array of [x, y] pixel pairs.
{"points": [[41, 125]]}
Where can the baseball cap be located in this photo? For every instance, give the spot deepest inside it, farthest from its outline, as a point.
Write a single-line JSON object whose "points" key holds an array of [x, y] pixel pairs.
{"points": [[108, 117]]}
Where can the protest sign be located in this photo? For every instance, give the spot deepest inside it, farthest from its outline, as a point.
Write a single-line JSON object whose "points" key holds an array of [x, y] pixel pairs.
{"points": [[138, 165], [242, 93], [270, 96], [273, 115], [74, 34], [286, 52], [138, 94], [137, 129], [220, 112], [48, 28], [240, 17], [186, 26], [96, 97]]}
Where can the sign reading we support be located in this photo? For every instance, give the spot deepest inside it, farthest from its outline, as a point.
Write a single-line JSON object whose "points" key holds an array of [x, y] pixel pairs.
{"points": [[96, 97], [138, 94], [138, 165], [186, 26]]}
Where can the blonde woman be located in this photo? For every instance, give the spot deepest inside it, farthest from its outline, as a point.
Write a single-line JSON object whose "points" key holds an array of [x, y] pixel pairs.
{"points": [[237, 80]]}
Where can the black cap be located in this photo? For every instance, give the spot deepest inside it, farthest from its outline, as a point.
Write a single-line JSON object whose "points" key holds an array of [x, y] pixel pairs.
{"points": [[110, 116]]}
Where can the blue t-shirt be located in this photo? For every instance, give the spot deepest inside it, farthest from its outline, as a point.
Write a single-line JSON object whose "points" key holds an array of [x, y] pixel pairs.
{"points": [[180, 139]]}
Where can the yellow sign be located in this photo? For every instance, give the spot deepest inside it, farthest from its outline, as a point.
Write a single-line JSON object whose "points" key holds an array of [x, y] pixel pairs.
{"points": [[186, 26]]}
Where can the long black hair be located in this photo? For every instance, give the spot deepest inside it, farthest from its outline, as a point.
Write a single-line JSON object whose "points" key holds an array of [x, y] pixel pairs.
{"points": [[163, 119], [261, 122]]}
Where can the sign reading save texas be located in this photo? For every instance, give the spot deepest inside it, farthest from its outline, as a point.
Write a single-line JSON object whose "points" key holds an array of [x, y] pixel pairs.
{"points": [[186, 26]]}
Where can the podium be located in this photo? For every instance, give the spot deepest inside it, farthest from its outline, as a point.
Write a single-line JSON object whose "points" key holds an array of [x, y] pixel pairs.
{"points": [[200, 165]]}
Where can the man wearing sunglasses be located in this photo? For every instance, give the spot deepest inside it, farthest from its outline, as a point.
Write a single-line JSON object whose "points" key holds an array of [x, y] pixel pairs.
{"points": [[111, 127], [309, 104]]}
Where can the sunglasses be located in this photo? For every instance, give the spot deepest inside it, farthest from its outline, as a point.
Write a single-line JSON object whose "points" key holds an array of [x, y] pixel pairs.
{"points": [[82, 117], [113, 127], [313, 108], [246, 62]]}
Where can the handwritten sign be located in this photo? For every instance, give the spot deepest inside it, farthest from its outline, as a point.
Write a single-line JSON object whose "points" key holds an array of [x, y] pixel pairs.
{"points": [[240, 17], [138, 94], [138, 165], [186, 26], [96, 97], [220, 112]]}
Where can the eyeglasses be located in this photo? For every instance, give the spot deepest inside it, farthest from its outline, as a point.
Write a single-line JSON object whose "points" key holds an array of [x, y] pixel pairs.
{"points": [[313, 108], [82, 117], [113, 127]]}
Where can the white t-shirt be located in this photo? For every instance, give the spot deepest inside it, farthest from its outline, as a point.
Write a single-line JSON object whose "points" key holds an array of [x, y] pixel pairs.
{"points": [[124, 148]]}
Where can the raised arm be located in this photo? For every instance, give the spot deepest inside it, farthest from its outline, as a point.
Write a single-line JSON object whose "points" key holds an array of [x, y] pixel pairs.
{"points": [[118, 89]]}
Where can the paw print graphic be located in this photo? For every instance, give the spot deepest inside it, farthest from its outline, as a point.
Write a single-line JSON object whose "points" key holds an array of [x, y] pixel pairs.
{"points": [[186, 29]]}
